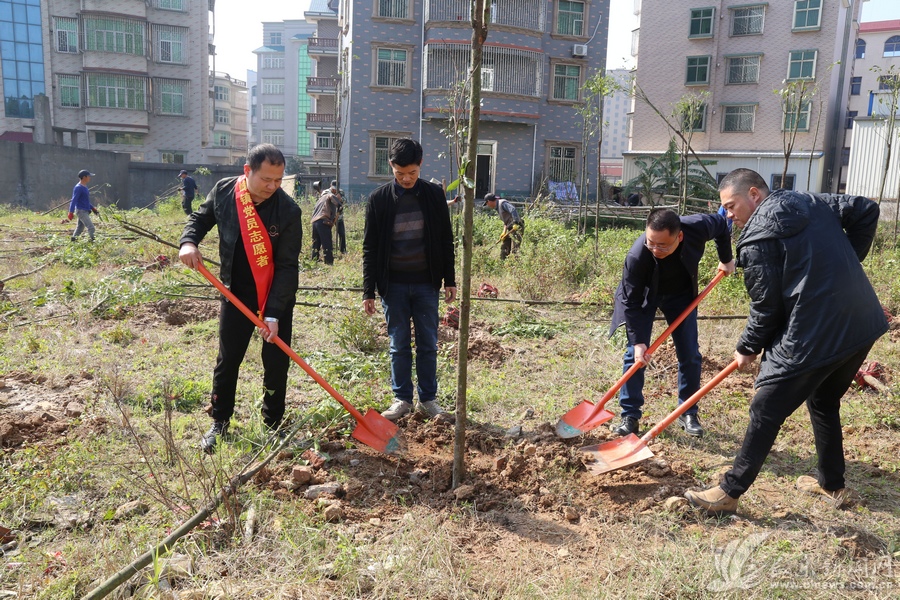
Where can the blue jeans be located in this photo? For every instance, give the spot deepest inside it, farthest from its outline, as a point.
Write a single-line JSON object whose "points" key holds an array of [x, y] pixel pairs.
{"points": [[418, 302], [687, 348]]}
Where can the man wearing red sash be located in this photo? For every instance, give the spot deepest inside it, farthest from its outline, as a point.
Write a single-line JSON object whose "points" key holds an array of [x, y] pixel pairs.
{"points": [[260, 236]]}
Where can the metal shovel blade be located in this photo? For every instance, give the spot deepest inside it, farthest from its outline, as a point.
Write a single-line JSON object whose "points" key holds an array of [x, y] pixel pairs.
{"points": [[617, 454], [580, 420], [376, 431]]}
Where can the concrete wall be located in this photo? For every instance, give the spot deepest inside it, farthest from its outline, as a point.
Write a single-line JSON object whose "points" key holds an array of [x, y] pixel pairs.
{"points": [[40, 176]]}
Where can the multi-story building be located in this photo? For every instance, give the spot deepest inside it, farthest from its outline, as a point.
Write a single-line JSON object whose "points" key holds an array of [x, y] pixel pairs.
{"points": [[877, 52], [120, 75], [616, 109], [400, 58], [282, 103], [323, 128], [731, 55], [253, 89], [228, 143]]}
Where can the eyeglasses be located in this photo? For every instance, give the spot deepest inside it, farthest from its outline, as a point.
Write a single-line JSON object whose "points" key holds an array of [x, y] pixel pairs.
{"points": [[658, 248]]}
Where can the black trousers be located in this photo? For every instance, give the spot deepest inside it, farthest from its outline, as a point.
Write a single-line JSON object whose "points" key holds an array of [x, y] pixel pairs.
{"points": [[186, 205], [235, 331], [341, 235], [822, 390], [321, 238]]}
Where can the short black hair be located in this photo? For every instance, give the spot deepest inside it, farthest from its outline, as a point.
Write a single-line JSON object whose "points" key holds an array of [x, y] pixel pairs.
{"points": [[264, 152], [334, 183], [741, 180], [664, 219], [405, 152]]}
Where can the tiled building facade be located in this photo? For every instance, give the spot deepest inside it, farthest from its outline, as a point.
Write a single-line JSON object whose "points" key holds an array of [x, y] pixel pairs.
{"points": [[738, 53], [399, 58], [615, 133], [120, 75]]}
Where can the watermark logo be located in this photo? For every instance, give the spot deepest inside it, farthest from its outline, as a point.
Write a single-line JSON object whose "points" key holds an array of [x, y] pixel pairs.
{"points": [[732, 564]]}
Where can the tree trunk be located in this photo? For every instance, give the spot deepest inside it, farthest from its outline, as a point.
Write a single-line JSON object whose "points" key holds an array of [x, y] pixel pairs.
{"points": [[479, 34]]}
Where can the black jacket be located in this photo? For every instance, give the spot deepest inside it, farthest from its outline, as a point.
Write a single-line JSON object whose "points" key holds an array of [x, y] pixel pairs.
{"points": [[285, 231], [636, 296], [380, 212], [811, 303]]}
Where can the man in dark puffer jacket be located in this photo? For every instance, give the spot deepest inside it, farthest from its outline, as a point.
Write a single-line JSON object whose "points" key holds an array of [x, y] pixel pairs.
{"points": [[813, 311]]}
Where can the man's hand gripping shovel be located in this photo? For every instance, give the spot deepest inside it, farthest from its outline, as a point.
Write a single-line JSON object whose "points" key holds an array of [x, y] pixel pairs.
{"points": [[587, 416], [371, 429], [630, 449]]}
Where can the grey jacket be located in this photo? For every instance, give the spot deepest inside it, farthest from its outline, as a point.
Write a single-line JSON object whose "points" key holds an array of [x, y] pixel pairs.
{"points": [[811, 303]]}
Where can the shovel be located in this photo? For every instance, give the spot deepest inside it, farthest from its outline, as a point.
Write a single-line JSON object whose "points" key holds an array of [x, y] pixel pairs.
{"points": [[630, 449], [371, 429], [587, 416]]}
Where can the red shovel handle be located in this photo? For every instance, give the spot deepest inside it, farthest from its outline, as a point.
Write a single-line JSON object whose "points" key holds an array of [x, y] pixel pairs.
{"points": [[637, 366], [279, 342], [683, 408]]}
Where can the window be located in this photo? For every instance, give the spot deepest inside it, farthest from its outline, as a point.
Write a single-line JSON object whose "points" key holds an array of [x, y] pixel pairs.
{"points": [[69, 90], [860, 48], [697, 70], [222, 92], [570, 18], [171, 96], [487, 79], [506, 70], [391, 67], [273, 61], [851, 114], [273, 136], [699, 121], [381, 166], [119, 137], [802, 64], [738, 117], [326, 140], [110, 34], [747, 20], [392, 9], [66, 34], [702, 22], [855, 86], [223, 115], [275, 38], [273, 86], [273, 112], [792, 116], [892, 46], [807, 14], [562, 163], [170, 4], [172, 157], [566, 81], [887, 82], [743, 69], [222, 139], [170, 43], [787, 184], [116, 91]]}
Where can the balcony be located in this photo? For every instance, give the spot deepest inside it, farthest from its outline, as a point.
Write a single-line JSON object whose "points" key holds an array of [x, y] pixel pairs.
{"points": [[321, 85], [321, 121], [317, 45], [324, 156]]}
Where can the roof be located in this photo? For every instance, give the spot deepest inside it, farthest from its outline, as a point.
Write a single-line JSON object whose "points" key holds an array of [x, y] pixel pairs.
{"points": [[269, 50], [876, 26], [320, 7], [17, 136]]}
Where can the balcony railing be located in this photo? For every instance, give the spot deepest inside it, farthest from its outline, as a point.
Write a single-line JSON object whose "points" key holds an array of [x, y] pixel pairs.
{"points": [[505, 70], [326, 84], [320, 120], [326, 156], [321, 45], [526, 14]]}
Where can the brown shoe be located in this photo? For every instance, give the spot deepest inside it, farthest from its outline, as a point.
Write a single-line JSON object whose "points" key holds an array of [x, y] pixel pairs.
{"points": [[714, 501], [842, 497]]}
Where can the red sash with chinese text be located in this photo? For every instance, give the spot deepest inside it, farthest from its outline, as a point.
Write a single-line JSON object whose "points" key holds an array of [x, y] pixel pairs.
{"points": [[257, 243]]}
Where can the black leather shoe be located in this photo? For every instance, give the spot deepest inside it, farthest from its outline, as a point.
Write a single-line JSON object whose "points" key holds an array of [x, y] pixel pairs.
{"points": [[691, 425], [628, 425], [210, 438]]}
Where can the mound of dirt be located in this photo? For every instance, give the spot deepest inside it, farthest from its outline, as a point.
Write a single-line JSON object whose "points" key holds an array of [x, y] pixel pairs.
{"points": [[482, 345], [176, 312]]}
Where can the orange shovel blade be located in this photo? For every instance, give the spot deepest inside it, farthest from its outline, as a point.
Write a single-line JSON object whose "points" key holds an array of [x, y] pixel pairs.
{"points": [[616, 454], [580, 420], [379, 433]]}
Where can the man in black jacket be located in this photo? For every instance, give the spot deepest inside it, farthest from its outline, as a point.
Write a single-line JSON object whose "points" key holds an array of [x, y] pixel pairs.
{"points": [[661, 272], [813, 311], [258, 220], [407, 256]]}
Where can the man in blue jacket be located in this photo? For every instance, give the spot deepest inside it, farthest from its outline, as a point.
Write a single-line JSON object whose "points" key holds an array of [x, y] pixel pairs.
{"points": [[813, 312], [661, 273], [81, 207], [407, 255]]}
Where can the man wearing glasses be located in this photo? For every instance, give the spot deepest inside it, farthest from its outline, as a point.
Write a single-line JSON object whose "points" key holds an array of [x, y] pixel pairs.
{"points": [[661, 273]]}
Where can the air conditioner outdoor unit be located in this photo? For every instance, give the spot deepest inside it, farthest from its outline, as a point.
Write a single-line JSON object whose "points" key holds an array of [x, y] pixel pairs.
{"points": [[579, 50]]}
